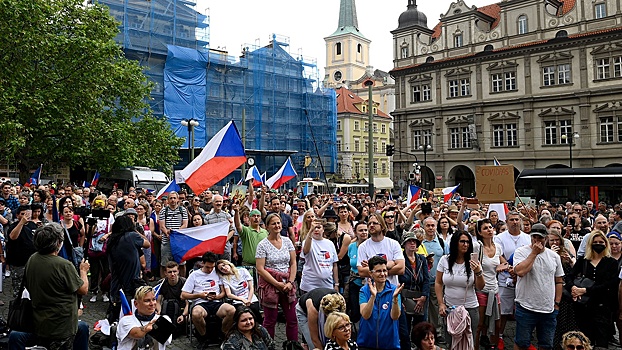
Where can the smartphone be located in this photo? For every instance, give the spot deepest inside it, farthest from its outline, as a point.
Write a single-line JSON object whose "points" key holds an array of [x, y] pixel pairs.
{"points": [[429, 255], [474, 257], [212, 293], [572, 222]]}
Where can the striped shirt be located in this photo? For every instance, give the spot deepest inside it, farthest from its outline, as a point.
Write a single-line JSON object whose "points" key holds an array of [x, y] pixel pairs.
{"points": [[173, 218]]}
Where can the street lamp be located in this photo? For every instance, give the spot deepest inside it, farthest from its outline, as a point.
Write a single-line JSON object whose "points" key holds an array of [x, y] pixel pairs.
{"points": [[425, 149], [190, 124], [570, 141]]}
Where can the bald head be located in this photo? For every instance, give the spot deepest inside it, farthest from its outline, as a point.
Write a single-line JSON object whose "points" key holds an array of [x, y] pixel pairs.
{"points": [[217, 202], [600, 223]]}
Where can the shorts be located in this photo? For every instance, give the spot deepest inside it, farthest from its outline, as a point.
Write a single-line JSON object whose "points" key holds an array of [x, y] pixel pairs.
{"points": [[506, 297], [482, 298], [527, 321], [211, 307], [166, 254]]}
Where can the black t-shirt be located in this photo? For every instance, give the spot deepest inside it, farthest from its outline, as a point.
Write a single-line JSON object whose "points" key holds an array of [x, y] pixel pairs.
{"points": [[172, 292], [19, 250], [316, 296]]}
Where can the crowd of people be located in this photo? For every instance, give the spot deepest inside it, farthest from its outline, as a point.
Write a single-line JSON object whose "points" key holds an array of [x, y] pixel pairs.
{"points": [[344, 271]]}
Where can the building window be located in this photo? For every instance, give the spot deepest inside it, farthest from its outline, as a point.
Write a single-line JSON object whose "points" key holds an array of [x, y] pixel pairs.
{"points": [[338, 125], [453, 88], [600, 10], [460, 87], [417, 139], [404, 52], [604, 67], [421, 92], [357, 146], [459, 137], [375, 127], [606, 129], [465, 87], [458, 40], [503, 81], [375, 168], [497, 82], [505, 135], [384, 168], [421, 137], [522, 24], [366, 128], [357, 125], [510, 81], [384, 148], [554, 129], [375, 146], [383, 128], [359, 48], [357, 169], [366, 146], [556, 74], [338, 49], [338, 144]]}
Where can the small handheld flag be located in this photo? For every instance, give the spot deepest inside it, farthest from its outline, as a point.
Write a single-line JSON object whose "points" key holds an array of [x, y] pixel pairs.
{"points": [[35, 179], [285, 173], [95, 179], [414, 192], [170, 187], [125, 305]]}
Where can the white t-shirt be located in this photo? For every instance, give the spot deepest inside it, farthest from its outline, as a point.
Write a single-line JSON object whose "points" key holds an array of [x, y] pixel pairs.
{"points": [[456, 285], [489, 266], [508, 244], [388, 248], [276, 259], [318, 269], [199, 282], [536, 290], [126, 323], [239, 286]]}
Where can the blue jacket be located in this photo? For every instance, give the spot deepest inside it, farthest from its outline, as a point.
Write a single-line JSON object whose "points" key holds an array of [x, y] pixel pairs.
{"points": [[379, 331], [422, 282]]}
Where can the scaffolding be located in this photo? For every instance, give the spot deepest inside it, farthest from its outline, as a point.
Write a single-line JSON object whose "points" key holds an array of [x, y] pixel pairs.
{"points": [[146, 28], [286, 113]]}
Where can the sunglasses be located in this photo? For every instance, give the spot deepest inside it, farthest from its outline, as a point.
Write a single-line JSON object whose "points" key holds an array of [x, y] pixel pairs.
{"points": [[572, 347]]}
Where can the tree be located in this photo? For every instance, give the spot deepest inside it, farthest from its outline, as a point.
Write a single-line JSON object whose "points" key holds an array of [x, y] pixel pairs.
{"points": [[68, 95]]}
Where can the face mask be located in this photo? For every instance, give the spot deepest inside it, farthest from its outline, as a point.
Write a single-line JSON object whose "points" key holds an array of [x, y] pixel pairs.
{"points": [[598, 248]]}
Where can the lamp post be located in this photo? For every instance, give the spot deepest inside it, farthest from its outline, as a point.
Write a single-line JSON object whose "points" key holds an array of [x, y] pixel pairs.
{"points": [[425, 148], [370, 133], [569, 137], [190, 124]]}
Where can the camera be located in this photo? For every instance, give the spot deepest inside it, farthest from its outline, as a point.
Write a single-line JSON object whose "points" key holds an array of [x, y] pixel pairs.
{"points": [[186, 203], [426, 208]]}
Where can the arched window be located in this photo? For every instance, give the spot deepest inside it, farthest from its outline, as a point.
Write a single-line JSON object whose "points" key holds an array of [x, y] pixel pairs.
{"points": [[338, 49], [359, 48], [522, 24]]}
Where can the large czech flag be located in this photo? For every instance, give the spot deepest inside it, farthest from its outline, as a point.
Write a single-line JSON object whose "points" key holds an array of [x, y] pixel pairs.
{"points": [[221, 156], [448, 192], [285, 173], [189, 243], [414, 192]]}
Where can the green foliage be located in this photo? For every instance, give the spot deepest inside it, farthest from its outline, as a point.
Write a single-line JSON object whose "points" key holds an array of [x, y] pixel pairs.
{"points": [[69, 96]]}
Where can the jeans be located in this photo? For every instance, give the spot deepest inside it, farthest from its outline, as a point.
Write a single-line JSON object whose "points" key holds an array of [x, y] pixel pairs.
{"points": [[544, 325], [303, 326], [17, 274], [291, 323], [20, 340]]}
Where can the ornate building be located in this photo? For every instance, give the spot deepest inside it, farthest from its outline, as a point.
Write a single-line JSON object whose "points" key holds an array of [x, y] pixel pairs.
{"points": [[518, 80]]}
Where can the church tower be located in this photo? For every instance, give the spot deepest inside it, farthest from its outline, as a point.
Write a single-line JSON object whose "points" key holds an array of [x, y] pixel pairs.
{"points": [[347, 50]]}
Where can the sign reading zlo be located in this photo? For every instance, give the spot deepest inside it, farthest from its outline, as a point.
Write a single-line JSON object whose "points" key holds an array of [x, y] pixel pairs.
{"points": [[494, 184]]}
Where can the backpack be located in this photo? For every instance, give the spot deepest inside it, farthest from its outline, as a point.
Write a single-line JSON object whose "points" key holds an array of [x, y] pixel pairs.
{"points": [[171, 308]]}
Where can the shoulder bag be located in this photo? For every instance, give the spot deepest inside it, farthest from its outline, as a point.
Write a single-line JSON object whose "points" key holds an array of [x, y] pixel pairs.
{"points": [[20, 316], [409, 296], [77, 252], [583, 282]]}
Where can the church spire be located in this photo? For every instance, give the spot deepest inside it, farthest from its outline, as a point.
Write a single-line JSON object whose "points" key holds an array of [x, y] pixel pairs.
{"points": [[347, 14], [348, 22]]}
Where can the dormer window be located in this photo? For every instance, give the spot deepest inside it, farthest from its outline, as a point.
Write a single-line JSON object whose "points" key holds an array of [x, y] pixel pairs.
{"points": [[522, 24], [458, 40]]}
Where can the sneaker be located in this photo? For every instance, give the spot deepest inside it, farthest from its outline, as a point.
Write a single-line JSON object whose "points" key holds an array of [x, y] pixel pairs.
{"points": [[106, 299], [93, 299], [501, 344]]}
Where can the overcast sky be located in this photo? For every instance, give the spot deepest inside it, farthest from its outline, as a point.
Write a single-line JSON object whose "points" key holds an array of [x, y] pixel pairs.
{"points": [[306, 23]]}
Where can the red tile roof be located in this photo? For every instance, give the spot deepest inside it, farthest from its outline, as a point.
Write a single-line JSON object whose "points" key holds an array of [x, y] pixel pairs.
{"points": [[437, 30], [568, 6], [347, 100], [493, 11]]}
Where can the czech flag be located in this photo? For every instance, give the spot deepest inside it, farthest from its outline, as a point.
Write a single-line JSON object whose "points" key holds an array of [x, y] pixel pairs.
{"points": [[253, 174], [221, 156], [284, 174], [193, 242], [500, 208], [35, 179], [495, 162], [85, 184], [126, 309], [448, 192], [414, 192], [170, 187], [156, 289], [95, 179]]}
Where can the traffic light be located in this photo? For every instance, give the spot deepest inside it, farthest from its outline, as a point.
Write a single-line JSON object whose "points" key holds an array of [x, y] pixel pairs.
{"points": [[390, 150]]}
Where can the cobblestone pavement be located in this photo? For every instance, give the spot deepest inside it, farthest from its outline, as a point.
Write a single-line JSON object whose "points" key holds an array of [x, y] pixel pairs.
{"points": [[95, 311]]}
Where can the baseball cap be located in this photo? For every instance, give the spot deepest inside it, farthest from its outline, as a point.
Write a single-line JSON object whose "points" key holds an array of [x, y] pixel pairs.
{"points": [[539, 229]]}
